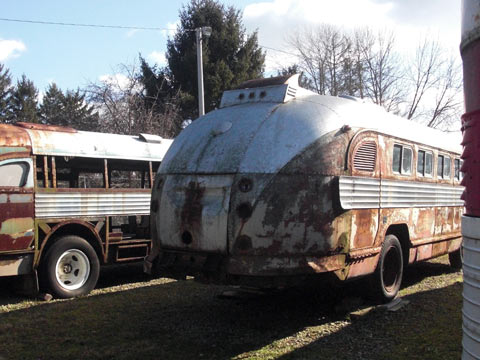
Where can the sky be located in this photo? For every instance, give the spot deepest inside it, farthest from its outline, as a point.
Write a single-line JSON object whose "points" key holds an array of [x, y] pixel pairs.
{"points": [[73, 56]]}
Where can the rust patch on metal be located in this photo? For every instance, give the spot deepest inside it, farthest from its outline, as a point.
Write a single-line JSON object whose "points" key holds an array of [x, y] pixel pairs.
{"points": [[191, 214], [365, 224]]}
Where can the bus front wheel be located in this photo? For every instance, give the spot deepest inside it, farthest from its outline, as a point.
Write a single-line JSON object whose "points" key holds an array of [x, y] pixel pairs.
{"points": [[71, 267], [389, 271]]}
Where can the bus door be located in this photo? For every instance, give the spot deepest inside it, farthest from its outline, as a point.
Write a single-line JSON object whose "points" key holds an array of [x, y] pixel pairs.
{"points": [[16, 205]]}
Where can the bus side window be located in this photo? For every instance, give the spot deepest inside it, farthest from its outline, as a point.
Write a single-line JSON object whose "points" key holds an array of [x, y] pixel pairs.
{"points": [[14, 174], [424, 163], [443, 169], [397, 154], [402, 159], [440, 166], [428, 164], [457, 169]]}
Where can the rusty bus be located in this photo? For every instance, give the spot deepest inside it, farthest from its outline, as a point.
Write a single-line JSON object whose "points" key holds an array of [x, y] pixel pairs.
{"points": [[280, 185], [72, 200]]}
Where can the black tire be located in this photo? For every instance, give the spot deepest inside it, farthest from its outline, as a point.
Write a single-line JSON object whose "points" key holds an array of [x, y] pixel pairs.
{"points": [[70, 267], [456, 259], [389, 272]]}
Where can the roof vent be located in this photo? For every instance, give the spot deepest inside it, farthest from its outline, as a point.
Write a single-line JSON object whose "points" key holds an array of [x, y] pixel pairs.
{"points": [[278, 89], [151, 139]]}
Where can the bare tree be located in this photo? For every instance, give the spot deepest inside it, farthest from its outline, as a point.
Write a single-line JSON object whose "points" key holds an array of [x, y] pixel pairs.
{"points": [[323, 53], [124, 108], [379, 69], [448, 96], [422, 74], [366, 64], [435, 86]]}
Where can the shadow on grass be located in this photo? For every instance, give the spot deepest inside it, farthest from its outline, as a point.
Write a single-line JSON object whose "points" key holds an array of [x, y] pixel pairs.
{"points": [[429, 327], [185, 320], [113, 275]]}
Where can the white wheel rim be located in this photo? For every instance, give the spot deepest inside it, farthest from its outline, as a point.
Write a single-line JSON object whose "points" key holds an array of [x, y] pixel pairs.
{"points": [[72, 269]]}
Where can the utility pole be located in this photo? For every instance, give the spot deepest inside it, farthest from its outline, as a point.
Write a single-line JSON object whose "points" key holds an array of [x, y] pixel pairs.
{"points": [[200, 32]]}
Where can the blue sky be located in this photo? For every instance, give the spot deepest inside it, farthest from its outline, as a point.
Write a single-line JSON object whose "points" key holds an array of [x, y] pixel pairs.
{"points": [[74, 56]]}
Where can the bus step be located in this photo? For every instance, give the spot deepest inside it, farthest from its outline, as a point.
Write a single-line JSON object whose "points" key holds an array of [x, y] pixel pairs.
{"points": [[132, 252]]}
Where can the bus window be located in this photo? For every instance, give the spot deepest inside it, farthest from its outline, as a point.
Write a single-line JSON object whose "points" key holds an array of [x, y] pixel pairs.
{"points": [[424, 163], [443, 169], [446, 167], [14, 174], [440, 166], [428, 164], [457, 169], [402, 159], [397, 153]]}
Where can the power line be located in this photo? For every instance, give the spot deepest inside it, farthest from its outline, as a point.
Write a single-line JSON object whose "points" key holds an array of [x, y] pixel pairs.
{"points": [[85, 25], [117, 27], [277, 50]]}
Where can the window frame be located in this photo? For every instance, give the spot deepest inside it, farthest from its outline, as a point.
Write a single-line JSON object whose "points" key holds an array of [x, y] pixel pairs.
{"points": [[402, 153], [27, 176], [424, 157], [443, 174]]}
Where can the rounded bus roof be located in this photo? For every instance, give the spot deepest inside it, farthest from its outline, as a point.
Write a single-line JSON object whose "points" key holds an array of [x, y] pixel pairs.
{"points": [[60, 141]]}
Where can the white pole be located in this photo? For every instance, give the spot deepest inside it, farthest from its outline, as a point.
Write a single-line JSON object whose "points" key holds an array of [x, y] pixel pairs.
{"points": [[201, 105]]}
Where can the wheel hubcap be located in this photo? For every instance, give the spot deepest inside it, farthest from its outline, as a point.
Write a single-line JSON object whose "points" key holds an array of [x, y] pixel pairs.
{"points": [[72, 269]]}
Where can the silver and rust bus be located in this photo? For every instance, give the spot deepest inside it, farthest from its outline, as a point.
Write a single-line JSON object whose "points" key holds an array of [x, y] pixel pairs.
{"points": [[73, 200], [280, 184]]}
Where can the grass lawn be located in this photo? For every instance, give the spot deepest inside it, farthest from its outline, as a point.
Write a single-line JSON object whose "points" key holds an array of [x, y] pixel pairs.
{"points": [[131, 316]]}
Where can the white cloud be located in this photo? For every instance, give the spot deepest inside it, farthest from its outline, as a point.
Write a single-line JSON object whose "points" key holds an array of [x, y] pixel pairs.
{"points": [[118, 80], [347, 12], [276, 20], [158, 58], [172, 28], [11, 49], [131, 33]]}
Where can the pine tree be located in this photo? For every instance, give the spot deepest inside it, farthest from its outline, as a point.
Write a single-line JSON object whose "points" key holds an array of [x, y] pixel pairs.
{"points": [[52, 107], [230, 56], [77, 113], [23, 104], [5, 92]]}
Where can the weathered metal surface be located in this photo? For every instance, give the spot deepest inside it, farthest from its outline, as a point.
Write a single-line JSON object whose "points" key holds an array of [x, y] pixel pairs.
{"points": [[16, 212], [193, 212], [364, 193], [471, 287], [470, 50], [91, 203], [13, 138], [294, 203], [16, 265], [96, 145]]}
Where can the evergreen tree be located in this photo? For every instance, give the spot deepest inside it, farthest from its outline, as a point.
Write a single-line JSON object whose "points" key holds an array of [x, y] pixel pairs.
{"points": [[51, 109], [77, 113], [230, 56], [69, 109], [23, 104], [5, 92]]}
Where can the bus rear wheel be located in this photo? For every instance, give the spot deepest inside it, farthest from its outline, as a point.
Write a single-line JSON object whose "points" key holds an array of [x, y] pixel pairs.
{"points": [[71, 267], [389, 271]]}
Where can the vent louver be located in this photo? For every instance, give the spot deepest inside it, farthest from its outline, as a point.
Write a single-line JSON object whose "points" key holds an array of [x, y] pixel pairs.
{"points": [[365, 157]]}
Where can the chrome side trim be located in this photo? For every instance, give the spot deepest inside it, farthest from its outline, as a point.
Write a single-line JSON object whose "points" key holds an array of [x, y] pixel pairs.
{"points": [[52, 205], [366, 193]]}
